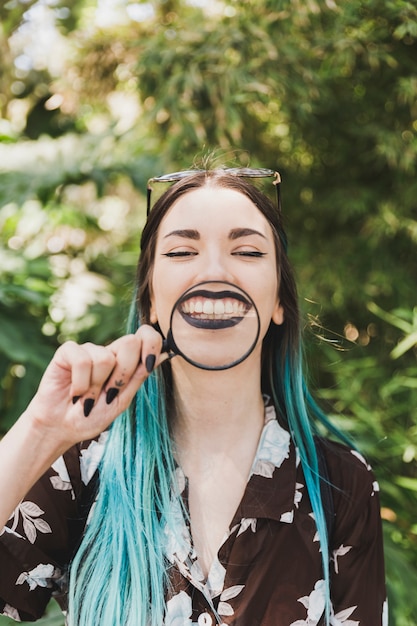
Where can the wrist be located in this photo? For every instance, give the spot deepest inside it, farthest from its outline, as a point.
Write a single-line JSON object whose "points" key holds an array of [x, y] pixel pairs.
{"points": [[34, 433]]}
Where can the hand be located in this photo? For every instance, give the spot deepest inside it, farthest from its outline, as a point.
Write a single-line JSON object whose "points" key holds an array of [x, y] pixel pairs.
{"points": [[85, 387]]}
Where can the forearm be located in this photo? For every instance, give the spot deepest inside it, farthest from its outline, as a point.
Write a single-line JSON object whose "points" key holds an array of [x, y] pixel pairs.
{"points": [[26, 452], [56, 419]]}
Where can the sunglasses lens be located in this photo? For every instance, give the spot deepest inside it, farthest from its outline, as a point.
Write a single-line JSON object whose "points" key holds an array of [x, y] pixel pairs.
{"points": [[174, 176], [240, 172], [248, 172]]}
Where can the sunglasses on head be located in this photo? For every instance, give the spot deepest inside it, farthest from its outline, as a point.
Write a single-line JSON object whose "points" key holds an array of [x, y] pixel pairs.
{"points": [[240, 172]]}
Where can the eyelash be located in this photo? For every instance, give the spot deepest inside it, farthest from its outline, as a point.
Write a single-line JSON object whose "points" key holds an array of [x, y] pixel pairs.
{"points": [[186, 253], [181, 253], [251, 253]]}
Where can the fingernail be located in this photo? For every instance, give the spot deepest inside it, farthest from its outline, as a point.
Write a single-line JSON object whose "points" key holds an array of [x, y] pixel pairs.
{"points": [[111, 394], [150, 362], [88, 406], [75, 399]]}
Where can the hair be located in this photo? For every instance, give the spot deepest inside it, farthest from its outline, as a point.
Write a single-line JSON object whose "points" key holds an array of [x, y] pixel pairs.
{"points": [[119, 575]]}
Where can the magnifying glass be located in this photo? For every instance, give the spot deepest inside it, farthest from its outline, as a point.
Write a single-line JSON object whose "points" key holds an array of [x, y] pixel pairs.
{"points": [[214, 325]]}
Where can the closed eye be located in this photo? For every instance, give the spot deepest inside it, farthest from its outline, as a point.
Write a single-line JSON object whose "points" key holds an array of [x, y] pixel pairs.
{"points": [[249, 253], [180, 253]]}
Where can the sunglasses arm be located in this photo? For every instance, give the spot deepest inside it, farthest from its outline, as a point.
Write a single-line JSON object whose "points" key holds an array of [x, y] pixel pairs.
{"points": [[277, 183], [148, 199]]}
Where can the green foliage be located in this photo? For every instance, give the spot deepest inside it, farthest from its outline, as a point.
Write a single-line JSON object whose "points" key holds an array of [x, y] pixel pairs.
{"points": [[325, 92], [24, 351], [377, 409]]}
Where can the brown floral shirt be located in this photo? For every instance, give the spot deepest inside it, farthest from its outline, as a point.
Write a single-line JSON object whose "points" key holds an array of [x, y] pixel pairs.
{"points": [[268, 570]]}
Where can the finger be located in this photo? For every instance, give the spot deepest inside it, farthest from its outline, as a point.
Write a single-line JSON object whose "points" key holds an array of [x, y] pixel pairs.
{"points": [[90, 372], [69, 360], [151, 346], [127, 352], [136, 356]]}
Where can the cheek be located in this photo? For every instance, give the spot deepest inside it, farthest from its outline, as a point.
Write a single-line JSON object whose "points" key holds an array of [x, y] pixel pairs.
{"points": [[162, 302]]}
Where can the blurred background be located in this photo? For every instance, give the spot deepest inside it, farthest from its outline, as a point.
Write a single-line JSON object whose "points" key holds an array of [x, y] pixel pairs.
{"points": [[96, 96]]}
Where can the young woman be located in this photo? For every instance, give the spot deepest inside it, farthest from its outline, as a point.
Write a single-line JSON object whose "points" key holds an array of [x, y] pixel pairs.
{"points": [[215, 501]]}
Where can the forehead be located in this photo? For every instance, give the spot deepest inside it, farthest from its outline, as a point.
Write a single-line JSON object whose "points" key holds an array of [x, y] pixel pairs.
{"points": [[214, 208]]}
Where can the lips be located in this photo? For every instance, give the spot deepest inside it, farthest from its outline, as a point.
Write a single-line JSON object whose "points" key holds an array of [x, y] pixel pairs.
{"points": [[213, 310]]}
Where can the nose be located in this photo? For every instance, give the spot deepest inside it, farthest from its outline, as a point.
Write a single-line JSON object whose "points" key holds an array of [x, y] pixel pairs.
{"points": [[215, 266]]}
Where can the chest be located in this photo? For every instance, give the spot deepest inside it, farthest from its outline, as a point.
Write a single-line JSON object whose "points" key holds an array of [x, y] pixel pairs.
{"points": [[213, 500], [263, 568]]}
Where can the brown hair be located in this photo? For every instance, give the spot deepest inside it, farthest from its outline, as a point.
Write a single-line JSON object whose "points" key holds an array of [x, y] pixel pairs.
{"points": [[278, 338]]}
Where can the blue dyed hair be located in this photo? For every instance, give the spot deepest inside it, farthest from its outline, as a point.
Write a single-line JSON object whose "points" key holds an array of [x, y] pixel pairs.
{"points": [[119, 574]]}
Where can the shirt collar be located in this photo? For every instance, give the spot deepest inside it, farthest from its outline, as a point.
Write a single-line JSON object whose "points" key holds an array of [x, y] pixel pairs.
{"points": [[271, 489], [271, 493]]}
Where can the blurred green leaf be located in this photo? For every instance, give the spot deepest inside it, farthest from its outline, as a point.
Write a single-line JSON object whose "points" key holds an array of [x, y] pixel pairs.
{"points": [[325, 92]]}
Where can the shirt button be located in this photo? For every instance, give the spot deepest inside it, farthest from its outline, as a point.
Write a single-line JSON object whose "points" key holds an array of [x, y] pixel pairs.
{"points": [[205, 620]]}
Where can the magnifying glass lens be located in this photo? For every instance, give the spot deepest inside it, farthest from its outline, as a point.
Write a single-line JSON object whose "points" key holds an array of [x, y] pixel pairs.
{"points": [[214, 325]]}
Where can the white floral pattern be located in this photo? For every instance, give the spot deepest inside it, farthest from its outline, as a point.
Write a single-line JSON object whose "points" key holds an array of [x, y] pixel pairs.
{"points": [[361, 458], [274, 448], [385, 614], [341, 551], [225, 609], [30, 513], [247, 522], [179, 610], [9, 611], [177, 536], [342, 618], [40, 576], [272, 498], [91, 457], [62, 481], [298, 494], [287, 518], [216, 578], [315, 605]]}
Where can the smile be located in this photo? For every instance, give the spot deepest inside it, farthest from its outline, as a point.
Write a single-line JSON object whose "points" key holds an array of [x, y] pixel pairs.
{"points": [[213, 310]]}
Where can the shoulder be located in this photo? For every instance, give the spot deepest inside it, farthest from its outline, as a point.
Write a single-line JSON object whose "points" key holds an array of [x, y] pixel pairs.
{"points": [[347, 468], [355, 491]]}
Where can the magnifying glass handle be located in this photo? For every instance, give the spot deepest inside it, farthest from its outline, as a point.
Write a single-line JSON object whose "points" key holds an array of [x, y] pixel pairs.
{"points": [[168, 345]]}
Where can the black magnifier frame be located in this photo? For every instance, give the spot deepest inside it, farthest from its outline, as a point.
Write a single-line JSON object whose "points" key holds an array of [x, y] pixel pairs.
{"points": [[169, 345]]}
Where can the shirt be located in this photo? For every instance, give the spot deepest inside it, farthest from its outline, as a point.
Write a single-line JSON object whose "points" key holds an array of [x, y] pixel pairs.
{"points": [[268, 571]]}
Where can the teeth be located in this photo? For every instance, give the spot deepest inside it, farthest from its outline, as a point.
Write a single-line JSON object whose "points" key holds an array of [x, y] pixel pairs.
{"points": [[219, 307], [216, 309], [208, 307]]}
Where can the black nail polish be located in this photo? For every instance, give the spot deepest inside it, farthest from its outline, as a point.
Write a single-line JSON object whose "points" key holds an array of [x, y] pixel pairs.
{"points": [[150, 362], [111, 394], [88, 406], [75, 399]]}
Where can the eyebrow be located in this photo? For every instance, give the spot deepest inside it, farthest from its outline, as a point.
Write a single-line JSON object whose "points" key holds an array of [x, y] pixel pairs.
{"points": [[186, 233], [235, 233]]}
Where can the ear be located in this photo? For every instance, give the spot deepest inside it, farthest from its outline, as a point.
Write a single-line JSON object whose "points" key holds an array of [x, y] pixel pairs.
{"points": [[153, 318], [278, 314]]}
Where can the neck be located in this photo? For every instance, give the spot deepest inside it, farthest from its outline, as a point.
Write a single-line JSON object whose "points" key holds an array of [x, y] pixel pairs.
{"points": [[216, 412]]}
